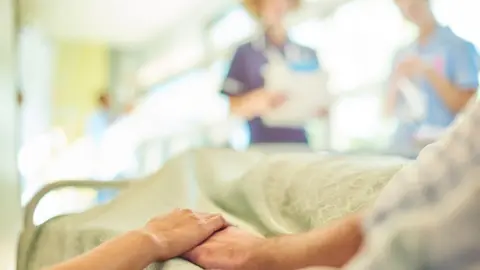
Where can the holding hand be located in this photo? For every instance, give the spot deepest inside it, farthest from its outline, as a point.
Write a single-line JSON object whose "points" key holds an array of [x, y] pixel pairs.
{"points": [[181, 231], [230, 249], [257, 103]]}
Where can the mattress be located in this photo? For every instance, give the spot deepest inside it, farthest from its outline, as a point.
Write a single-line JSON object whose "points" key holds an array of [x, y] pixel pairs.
{"points": [[264, 194]]}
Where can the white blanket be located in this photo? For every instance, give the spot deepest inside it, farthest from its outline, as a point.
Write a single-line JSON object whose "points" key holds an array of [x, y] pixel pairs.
{"points": [[269, 195]]}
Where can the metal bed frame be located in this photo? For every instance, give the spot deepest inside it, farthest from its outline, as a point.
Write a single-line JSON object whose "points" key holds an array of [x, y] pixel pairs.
{"points": [[29, 227]]}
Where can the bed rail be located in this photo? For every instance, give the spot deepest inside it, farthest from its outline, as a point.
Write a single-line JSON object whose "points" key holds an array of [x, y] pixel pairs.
{"points": [[29, 226]]}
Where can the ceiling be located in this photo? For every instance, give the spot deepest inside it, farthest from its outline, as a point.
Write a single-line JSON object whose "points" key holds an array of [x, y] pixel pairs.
{"points": [[118, 22], [127, 22]]}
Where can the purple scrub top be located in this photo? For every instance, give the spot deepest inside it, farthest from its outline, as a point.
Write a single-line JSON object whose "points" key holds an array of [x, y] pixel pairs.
{"points": [[245, 74]]}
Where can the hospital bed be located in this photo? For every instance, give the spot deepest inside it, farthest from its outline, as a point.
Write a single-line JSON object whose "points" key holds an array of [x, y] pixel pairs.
{"points": [[264, 194]]}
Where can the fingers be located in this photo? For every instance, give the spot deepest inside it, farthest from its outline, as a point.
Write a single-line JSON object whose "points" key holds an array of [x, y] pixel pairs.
{"points": [[215, 223], [210, 222], [206, 218]]}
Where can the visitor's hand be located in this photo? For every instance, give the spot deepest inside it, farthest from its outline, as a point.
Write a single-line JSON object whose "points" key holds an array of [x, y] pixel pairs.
{"points": [[230, 249], [257, 103], [181, 231]]}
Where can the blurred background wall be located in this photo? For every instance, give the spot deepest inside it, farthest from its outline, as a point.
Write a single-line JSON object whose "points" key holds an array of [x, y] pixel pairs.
{"points": [[10, 208], [80, 75]]}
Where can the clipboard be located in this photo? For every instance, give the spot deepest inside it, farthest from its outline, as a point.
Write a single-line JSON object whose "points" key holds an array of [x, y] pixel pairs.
{"points": [[306, 94]]}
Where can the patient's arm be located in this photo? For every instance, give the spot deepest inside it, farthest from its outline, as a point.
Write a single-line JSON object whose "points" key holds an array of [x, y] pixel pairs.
{"points": [[234, 249], [161, 239], [333, 246]]}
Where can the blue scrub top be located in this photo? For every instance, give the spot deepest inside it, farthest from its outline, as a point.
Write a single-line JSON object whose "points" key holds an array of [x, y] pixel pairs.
{"points": [[457, 60], [245, 74], [98, 125]]}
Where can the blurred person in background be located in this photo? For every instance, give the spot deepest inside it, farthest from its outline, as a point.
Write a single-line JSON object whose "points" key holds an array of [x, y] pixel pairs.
{"points": [[442, 71], [19, 99], [97, 127], [101, 119], [245, 83]]}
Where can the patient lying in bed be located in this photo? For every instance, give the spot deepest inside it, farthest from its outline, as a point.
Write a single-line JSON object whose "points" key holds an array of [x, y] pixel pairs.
{"points": [[263, 195], [426, 218]]}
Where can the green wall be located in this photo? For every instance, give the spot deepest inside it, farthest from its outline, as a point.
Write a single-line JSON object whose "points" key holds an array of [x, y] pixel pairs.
{"points": [[81, 72]]}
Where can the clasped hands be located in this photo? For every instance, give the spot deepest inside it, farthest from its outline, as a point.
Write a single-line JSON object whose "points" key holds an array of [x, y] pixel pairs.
{"points": [[206, 240]]}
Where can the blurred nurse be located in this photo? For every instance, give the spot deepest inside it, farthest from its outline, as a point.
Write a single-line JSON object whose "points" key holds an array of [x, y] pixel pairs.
{"points": [[245, 83], [441, 67]]}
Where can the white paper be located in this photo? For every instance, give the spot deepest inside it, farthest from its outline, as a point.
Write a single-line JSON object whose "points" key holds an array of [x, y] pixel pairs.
{"points": [[306, 94], [414, 98]]}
